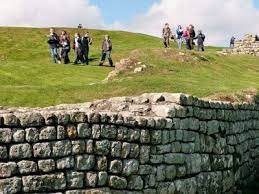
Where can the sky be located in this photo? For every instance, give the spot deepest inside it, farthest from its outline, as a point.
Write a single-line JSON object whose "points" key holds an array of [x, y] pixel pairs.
{"points": [[218, 19]]}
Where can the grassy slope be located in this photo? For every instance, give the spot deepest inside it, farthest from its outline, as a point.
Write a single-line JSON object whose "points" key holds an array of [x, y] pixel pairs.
{"points": [[28, 78]]}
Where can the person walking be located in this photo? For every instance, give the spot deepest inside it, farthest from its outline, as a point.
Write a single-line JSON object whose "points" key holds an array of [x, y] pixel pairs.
{"points": [[166, 34], [53, 41], [78, 49], [65, 46], [186, 36], [106, 51], [179, 36], [86, 42], [200, 40], [232, 42]]}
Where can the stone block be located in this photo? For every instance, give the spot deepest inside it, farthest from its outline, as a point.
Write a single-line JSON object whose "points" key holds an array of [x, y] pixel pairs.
{"points": [[11, 185], [27, 167], [5, 135], [66, 163], [102, 147], [91, 179], [48, 133], [46, 165], [42, 150], [85, 162], [117, 182], [32, 135], [20, 151], [130, 167], [84, 130], [75, 180], [18, 135], [115, 167], [7, 169], [62, 148]]}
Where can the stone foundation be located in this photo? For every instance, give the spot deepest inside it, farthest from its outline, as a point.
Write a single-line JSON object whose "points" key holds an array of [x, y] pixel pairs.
{"points": [[154, 143]]}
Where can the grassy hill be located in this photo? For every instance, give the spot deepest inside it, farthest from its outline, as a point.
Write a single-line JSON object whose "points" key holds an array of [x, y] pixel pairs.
{"points": [[29, 78]]}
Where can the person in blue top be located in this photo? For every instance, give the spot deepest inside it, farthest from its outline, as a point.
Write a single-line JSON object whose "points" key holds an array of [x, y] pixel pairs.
{"points": [[179, 36]]}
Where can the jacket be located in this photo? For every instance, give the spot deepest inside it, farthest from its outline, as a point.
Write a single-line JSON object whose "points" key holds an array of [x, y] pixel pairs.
{"points": [[166, 32], [53, 41], [106, 45], [200, 39], [86, 42]]}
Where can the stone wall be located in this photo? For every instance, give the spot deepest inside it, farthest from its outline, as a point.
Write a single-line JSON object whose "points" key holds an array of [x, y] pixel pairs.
{"points": [[249, 45], [154, 143]]}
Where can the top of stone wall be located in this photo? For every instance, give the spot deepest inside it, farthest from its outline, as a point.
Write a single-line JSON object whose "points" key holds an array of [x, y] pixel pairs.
{"points": [[153, 105]]}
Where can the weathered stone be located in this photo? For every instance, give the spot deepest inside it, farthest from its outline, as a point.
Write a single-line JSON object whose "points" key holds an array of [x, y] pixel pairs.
{"points": [[161, 173], [89, 146], [134, 135], [145, 136], [65, 163], [116, 149], [144, 154], [27, 167], [193, 163], [3, 152], [134, 151], [46, 165], [162, 149], [156, 159], [102, 147], [156, 137], [91, 179], [61, 132], [20, 151], [102, 178], [63, 118], [43, 183], [181, 171], [78, 117], [32, 135], [108, 131], [135, 183], [71, 131], [130, 167], [145, 169], [7, 169], [117, 182], [78, 147], [5, 135], [11, 120], [48, 133], [174, 158], [170, 172], [213, 127], [150, 181], [123, 134], [75, 180], [84, 130], [42, 150], [18, 135], [31, 120], [116, 166], [11, 185], [96, 131], [179, 135], [62, 148], [186, 186], [125, 150], [85, 162], [101, 162]]}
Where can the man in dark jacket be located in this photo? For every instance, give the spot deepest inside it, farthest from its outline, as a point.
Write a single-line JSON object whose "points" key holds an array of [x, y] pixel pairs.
{"points": [[86, 42], [106, 50], [192, 35], [232, 42], [78, 49], [166, 34], [200, 40], [53, 42]]}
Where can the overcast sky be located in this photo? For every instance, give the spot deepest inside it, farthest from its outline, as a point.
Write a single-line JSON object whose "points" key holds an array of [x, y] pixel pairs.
{"points": [[219, 19]]}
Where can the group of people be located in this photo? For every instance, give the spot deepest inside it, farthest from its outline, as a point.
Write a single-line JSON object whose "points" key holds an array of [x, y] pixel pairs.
{"points": [[183, 36], [60, 47]]}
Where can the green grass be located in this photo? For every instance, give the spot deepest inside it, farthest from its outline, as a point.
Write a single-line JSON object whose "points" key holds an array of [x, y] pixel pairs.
{"points": [[29, 78]]}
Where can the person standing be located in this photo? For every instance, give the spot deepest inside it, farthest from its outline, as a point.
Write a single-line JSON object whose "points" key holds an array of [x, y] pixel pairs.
{"points": [[186, 36], [200, 40], [232, 42], [65, 46], [179, 35], [192, 35], [166, 34], [106, 50], [78, 49], [53, 42], [86, 42]]}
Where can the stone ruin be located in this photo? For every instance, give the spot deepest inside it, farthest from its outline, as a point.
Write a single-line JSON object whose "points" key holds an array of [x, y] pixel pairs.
{"points": [[149, 144], [249, 45]]}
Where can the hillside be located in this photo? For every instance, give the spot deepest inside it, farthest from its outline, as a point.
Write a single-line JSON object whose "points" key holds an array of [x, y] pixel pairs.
{"points": [[28, 77]]}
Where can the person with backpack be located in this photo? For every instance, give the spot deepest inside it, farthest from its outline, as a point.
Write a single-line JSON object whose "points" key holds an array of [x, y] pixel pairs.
{"points": [[106, 51], [186, 36], [232, 42], [78, 49], [179, 36], [200, 41], [53, 41], [192, 35], [166, 34], [65, 46], [86, 42]]}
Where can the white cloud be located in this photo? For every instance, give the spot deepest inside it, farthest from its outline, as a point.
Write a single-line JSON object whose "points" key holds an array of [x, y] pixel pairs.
{"points": [[43, 13], [219, 19]]}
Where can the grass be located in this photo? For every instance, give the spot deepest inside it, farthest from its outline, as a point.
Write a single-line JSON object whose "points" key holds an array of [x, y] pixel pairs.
{"points": [[29, 78]]}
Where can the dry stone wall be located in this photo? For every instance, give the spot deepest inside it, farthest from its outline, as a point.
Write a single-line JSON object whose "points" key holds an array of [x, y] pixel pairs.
{"points": [[249, 45], [154, 143]]}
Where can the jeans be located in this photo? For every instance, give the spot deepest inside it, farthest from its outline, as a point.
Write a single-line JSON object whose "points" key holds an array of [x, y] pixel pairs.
{"points": [[232, 46], [78, 56], [166, 41], [108, 55], [85, 54], [64, 55], [180, 41], [54, 54]]}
